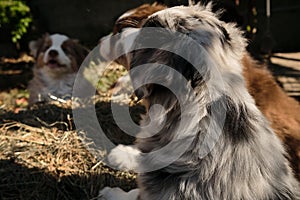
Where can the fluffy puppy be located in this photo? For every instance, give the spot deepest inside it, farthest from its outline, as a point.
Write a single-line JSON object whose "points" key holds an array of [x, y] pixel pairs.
{"points": [[282, 111], [58, 59], [248, 160]]}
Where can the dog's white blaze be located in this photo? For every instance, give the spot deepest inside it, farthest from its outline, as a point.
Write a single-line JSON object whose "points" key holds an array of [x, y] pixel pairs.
{"points": [[127, 14], [123, 44], [128, 37], [108, 193], [105, 46], [57, 41]]}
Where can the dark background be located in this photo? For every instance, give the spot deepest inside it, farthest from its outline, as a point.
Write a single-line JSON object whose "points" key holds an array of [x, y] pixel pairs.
{"points": [[89, 20]]}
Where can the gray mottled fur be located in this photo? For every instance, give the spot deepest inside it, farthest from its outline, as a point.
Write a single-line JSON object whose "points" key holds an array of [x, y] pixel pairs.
{"points": [[248, 161]]}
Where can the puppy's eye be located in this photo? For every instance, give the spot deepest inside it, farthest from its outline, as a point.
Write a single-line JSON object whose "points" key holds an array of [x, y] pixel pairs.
{"points": [[46, 47], [65, 49]]}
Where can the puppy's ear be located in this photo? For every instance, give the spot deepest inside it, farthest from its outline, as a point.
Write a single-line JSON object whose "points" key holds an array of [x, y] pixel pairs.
{"points": [[75, 41], [76, 51], [36, 45], [33, 48], [80, 51]]}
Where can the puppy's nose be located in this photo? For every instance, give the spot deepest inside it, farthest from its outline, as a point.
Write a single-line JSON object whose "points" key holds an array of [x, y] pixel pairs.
{"points": [[139, 93], [53, 53]]}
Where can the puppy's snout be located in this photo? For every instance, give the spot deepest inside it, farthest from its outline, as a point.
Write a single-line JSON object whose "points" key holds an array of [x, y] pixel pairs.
{"points": [[53, 53]]}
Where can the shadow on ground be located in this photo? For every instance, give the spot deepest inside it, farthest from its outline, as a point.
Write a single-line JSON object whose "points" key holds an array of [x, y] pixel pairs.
{"points": [[51, 115], [20, 182], [15, 75]]}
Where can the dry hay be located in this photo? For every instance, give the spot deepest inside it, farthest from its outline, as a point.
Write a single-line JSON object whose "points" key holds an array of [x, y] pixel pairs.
{"points": [[43, 157]]}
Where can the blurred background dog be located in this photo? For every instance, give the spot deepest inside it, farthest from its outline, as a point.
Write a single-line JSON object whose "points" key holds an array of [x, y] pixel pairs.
{"points": [[58, 59]]}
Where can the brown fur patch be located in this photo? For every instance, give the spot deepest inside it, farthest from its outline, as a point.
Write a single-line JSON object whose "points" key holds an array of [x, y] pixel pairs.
{"points": [[137, 18], [76, 52], [38, 47], [282, 111]]}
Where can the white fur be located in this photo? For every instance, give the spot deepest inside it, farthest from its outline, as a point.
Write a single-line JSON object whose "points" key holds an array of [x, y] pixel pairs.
{"points": [[113, 46], [59, 87], [108, 193], [127, 14], [124, 157]]}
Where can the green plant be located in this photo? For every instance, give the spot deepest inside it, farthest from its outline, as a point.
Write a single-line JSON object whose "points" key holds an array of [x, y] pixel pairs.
{"points": [[16, 14]]}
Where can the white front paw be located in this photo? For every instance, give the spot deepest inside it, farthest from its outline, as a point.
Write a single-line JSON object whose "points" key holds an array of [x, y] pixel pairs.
{"points": [[124, 157], [108, 193]]}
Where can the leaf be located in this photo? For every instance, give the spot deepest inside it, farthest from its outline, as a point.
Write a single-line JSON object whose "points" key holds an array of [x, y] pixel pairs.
{"points": [[17, 15]]}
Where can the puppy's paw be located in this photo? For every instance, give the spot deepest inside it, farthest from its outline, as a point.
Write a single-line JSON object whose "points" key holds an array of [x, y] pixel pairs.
{"points": [[108, 193], [124, 157]]}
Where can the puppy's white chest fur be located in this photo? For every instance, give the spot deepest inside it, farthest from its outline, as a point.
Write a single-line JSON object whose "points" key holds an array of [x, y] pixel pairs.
{"points": [[58, 86], [45, 84]]}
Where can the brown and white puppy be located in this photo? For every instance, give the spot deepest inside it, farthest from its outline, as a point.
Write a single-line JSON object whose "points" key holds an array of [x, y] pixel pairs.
{"points": [[282, 111], [58, 59], [113, 46], [124, 30]]}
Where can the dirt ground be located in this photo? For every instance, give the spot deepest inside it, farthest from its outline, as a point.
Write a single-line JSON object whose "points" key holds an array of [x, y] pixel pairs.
{"points": [[42, 156]]}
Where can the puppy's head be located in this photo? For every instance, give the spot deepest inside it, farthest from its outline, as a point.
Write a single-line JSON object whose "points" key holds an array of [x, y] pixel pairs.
{"points": [[124, 31], [114, 47], [219, 43], [58, 53]]}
